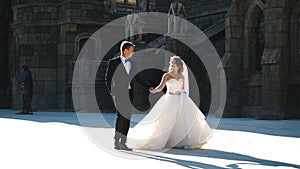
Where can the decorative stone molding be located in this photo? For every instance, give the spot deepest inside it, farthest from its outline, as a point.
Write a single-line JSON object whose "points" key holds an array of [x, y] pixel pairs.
{"points": [[271, 56]]}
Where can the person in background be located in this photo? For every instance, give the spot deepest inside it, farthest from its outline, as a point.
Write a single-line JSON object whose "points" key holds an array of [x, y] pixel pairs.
{"points": [[27, 87]]}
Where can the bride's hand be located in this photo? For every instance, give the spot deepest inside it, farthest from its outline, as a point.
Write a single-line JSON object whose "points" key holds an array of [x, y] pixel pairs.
{"points": [[151, 90]]}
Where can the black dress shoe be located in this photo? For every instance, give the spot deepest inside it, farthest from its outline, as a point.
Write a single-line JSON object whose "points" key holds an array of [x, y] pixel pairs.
{"points": [[25, 113], [117, 147], [124, 147]]}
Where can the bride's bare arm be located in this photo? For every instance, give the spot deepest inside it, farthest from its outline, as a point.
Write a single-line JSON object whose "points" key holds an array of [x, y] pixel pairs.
{"points": [[162, 84], [182, 82]]}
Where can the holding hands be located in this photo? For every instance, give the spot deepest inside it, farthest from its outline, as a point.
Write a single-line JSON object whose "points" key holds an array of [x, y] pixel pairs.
{"points": [[152, 90]]}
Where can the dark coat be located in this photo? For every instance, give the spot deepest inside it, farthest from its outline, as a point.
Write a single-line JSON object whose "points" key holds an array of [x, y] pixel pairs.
{"points": [[117, 81], [25, 79]]}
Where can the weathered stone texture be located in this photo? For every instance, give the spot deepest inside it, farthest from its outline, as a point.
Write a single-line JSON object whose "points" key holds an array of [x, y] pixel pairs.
{"points": [[46, 35]]}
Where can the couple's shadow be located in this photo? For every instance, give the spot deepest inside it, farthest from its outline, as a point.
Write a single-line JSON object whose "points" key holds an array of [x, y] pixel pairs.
{"points": [[212, 154]]}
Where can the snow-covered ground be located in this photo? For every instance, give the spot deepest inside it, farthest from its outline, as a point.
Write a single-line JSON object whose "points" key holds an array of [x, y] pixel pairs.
{"points": [[55, 140]]}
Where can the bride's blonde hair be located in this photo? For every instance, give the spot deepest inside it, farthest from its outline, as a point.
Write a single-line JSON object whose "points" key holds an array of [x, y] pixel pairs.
{"points": [[178, 62]]}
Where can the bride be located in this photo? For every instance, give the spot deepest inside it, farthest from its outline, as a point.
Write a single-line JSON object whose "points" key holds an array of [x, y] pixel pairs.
{"points": [[174, 121]]}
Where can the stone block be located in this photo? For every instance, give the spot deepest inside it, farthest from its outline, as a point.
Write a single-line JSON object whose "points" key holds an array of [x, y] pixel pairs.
{"points": [[256, 96], [61, 74], [26, 50], [276, 13], [53, 16], [28, 16], [231, 111], [87, 6], [51, 9], [49, 59], [234, 21], [71, 27], [28, 60], [235, 44], [43, 16], [45, 74], [280, 39], [278, 3], [50, 87], [33, 38], [39, 9], [279, 71], [44, 37], [271, 56], [272, 113], [69, 37], [62, 61], [23, 39], [61, 101], [65, 49], [234, 33], [250, 111], [34, 103], [273, 99], [38, 87], [46, 101], [17, 103], [63, 89], [276, 26]]}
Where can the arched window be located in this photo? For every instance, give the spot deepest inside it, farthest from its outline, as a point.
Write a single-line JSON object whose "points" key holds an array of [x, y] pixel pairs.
{"points": [[80, 40], [81, 43], [254, 40], [131, 2], [260, 43], [14, 55], [126, 6], [127, 2], [120, 1]]}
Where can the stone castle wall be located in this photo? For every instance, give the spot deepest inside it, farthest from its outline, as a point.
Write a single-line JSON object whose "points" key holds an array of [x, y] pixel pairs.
{"points": [[48, 35]]}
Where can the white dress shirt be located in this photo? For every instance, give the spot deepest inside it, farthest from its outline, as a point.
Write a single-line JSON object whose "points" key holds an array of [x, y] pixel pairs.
{"points": [[127, 66]]}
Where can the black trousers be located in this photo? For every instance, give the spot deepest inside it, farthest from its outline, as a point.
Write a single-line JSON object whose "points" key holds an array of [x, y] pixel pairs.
{"points": [[27, 97], [123, 123]]}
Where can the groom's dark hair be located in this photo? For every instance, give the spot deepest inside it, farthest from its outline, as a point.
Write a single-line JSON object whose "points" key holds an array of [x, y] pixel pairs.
{"points": [[126, 45]]}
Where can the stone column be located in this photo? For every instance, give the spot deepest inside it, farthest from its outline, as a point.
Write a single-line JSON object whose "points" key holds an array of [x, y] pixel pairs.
{"points": [[65, 51], [232, 61], [275, 61]]}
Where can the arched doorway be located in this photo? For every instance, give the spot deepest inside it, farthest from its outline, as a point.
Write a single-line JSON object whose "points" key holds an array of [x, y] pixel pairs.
{"points": [[254, 41], [254, 46]]}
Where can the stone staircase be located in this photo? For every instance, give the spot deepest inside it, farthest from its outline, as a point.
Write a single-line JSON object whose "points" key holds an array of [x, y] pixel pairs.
{"points": [[210, 31]]}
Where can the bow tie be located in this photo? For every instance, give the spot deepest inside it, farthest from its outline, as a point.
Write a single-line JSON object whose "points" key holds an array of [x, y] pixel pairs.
{"points": [[127, 60]]}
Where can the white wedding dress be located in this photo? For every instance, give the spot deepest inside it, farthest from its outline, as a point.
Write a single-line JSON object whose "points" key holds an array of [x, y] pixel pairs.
{"points": [[174, 121]]}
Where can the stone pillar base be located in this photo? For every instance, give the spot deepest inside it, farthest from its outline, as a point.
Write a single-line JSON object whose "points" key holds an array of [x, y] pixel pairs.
{"points": [[276, 113], [230, 112]]}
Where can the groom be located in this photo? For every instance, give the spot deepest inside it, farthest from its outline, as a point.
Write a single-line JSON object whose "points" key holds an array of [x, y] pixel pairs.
{"points": [[118, 74]]}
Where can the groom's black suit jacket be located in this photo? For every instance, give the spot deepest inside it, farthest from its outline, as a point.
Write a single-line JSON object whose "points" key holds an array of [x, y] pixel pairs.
{"points": [[117, 81]]}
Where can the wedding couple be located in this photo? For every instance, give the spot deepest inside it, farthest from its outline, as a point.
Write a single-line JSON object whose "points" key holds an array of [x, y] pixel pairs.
{"points": [[174, 121]]}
